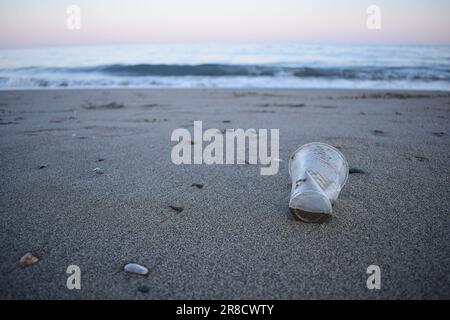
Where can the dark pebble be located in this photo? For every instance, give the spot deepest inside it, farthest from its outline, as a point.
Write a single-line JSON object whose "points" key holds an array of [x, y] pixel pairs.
{"points": [[177, 209], [356, 171], [198, 185], [42, 166], [439, 134], [226, 121], [421, 159]]}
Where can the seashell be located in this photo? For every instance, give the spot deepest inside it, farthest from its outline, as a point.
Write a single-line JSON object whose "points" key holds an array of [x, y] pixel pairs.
{"points": [[28, 259], [135, 268], [98, 171]]}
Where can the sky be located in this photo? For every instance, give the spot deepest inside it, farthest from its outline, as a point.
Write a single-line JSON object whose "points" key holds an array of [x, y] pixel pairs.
{"points": [[42, 23]]}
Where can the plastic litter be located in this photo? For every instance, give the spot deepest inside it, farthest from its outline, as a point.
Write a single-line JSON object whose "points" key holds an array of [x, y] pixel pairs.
{"points": [[318, 172]]}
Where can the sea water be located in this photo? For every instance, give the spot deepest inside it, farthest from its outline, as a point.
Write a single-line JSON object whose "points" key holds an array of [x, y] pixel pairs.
{"points": [[229, 65]]}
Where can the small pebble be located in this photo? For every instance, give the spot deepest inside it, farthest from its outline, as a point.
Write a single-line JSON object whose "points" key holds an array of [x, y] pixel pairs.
{"points": [[98, 171], [100, 160], [378, 132], [226, 121], [28, 259], [421, 159], [439, 134], [135, 268], [198, 185], [42, 166], [177, 209], [356, 170]]}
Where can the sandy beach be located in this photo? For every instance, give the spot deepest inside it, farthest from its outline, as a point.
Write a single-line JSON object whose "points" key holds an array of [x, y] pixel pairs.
{"points": [[235, 237]]}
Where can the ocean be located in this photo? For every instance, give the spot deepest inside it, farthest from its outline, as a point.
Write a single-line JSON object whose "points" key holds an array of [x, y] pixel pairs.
{"points": [[226, 65]]}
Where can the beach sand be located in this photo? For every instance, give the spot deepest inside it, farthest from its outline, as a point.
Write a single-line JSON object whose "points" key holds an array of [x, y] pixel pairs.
{"points": [[235, 237]]}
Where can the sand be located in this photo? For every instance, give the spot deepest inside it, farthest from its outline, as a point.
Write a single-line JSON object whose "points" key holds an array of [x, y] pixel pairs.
{"points": [[235, 237]]}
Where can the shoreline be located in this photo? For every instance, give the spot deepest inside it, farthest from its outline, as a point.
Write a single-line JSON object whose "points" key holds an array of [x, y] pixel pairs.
{"points": [[219, 88]]}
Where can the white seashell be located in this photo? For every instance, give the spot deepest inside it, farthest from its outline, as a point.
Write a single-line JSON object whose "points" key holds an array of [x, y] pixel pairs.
{"points": [[28, 259], [135, 268], [98, 171]]}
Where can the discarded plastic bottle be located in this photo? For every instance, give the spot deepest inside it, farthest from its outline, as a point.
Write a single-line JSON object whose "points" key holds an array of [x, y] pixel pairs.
{"points": [[318, 172]]}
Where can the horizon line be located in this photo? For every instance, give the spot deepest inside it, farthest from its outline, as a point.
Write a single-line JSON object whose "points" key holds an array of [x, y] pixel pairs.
{"points": [[226, 41]]}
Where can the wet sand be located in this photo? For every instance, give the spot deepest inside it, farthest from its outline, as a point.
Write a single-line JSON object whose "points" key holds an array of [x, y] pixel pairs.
{"points": [[234, 236]]}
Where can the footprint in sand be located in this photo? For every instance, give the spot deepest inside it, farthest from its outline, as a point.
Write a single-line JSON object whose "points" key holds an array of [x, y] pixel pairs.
{"points": [[379, 132]]}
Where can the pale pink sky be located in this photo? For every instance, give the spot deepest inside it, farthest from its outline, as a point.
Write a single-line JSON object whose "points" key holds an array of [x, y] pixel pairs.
{"points": [[30, 23]]}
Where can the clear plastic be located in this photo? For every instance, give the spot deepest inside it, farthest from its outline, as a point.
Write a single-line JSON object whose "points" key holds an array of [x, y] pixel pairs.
{"points": [[318, 172]]}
